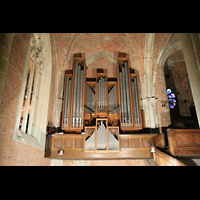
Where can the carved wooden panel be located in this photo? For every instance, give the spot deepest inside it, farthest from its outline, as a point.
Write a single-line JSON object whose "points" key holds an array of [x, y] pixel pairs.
{"points": [[181, 139], [135, 143], [68, 143], [57, 142], [124, 143], [184, 142], [79, 143], [145, 142]]}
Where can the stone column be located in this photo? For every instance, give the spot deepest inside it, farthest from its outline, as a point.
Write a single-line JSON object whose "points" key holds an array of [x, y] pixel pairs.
{"points": [[192, 69], [5, 48], [196, 45], [151, 114]]}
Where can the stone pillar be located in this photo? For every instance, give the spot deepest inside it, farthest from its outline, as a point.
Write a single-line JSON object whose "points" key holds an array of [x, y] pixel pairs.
{"points": [[192, 69], [5, 48], [196, 45], [151, 114]]}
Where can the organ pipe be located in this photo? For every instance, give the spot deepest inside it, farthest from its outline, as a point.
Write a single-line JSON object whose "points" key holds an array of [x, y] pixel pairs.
{"points": [[127, 93], [136, 104], [75, 93], [80, 99], [78, 96], [101, 94], [122, 99]]}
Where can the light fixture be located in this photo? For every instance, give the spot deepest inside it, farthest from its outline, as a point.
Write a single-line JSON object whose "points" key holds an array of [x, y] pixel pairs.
{"points": [[152, 149], [61, 151]]}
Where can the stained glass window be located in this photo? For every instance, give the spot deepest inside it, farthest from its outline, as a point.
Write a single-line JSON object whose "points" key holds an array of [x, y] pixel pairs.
{"points": [[171, 98]]}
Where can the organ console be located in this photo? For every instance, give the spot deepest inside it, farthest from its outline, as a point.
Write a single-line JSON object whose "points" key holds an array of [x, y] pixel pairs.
{"points": [[101, 108]]}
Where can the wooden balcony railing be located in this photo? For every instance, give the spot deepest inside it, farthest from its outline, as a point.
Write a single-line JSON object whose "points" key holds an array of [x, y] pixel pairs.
{"points": [[162, 159], [184, 142]]}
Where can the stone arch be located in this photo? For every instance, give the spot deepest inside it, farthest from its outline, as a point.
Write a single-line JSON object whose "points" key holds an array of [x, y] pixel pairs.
{"points": [[89, 59], [165, 52]]}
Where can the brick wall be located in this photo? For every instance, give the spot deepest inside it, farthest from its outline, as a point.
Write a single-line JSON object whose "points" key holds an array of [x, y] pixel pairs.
{"points": [[102, 63], [12, 152]]}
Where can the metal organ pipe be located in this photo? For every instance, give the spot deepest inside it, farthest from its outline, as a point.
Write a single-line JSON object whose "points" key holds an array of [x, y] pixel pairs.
{"points": [[75, 93], [127, 93], [105, 93], [93, 101], [90, 100], [115, 98], [136, 95], [101, 94], [98, 95], [81, 100], [112, 98], [134, 101], [124, 96], [78, 96], [135, 114], [66, 100], [122, 99]]}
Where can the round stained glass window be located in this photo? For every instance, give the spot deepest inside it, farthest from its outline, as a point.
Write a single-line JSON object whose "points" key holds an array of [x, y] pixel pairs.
{"points": [[171, 98]]}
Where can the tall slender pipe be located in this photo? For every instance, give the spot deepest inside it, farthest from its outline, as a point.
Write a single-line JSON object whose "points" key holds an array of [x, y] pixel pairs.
{"points": [[122, 99], [94, 101], [127, 92], [104, 94], [66, 100], [87, 95], [78, 95], [125, 96], [138, 114], [115, 98], [102, 89], [75, 93], [81, 98], [111, 98], [97, 92], [100, 92], [134, 101]]}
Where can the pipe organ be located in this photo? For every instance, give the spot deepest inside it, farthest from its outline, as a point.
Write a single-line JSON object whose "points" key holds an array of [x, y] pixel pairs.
{"points": [[87, 99], [101, 108]]}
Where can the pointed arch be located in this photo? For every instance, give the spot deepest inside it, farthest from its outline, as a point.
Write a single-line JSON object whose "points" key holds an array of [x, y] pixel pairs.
{"points": [[89, 59]]}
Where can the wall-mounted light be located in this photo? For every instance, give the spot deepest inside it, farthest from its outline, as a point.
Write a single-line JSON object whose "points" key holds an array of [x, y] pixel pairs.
{"points": [[61, 151], [152, 149]]}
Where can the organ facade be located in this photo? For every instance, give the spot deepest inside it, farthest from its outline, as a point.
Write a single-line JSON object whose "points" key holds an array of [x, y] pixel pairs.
{"points": [[101, 116]]}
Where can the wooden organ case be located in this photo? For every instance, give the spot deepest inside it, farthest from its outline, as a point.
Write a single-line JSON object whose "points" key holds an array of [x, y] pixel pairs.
{"points": [[97, 114]]}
